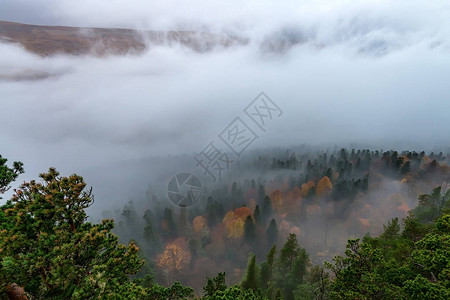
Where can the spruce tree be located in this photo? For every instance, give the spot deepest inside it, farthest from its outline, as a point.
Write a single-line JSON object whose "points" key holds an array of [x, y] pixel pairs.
{"points": [[257, 215], [214, 285], [267, 268], [249, 230], [171, 227], [272, 233], [261, 193], [251, 276], [267, 209]]}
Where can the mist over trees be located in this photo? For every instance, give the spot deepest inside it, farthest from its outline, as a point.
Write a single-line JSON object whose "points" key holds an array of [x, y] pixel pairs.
{"points": [[324, 197], [279, 232], [224, 150]]}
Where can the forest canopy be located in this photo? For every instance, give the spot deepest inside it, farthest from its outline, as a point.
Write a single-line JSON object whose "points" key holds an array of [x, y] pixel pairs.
{"points": [[253, 239]]}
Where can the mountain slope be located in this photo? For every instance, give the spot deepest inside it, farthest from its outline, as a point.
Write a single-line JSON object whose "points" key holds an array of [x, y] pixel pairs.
{"points": [[51, 40]]}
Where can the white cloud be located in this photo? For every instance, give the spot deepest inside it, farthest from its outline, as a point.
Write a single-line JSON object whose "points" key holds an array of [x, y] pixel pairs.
{"points": [[375, 72]]}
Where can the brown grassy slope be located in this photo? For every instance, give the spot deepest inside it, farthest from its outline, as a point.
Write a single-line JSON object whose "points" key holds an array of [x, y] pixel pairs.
{"points": [[50, 40]]}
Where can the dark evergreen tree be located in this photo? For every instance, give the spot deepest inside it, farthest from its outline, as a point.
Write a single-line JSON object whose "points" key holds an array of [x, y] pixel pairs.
{"points": [[194, 248], [292, 265], [267, 268], [261, 194], [170, 226], [215, 212], [251, 275], [214, 285], [7, 174], [257, 215], [392, 230], [365, 183], [272, 233], [249, 230], [151, 237], [278, 295], [329, 173], [183, 222], [290, 251], [267, 209]]}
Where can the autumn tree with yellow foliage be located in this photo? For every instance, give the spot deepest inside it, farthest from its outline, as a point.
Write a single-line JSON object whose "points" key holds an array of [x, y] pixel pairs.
{"points": [[324, 187], [175, 257], [234, 222]]}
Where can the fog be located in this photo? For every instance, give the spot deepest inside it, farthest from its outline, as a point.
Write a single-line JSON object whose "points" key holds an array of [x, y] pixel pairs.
{"points": [[343, 73]]}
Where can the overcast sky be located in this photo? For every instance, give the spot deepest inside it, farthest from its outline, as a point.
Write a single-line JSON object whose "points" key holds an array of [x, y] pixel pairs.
{"points": [[368, 72]]}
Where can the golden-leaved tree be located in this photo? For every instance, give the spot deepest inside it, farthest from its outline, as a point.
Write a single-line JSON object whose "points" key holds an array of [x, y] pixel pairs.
{"points": [[234, 222], [324, 187]]}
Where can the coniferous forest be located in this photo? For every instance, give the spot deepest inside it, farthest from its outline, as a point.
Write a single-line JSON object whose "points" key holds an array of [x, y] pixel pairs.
{"points": [[312, 224]]}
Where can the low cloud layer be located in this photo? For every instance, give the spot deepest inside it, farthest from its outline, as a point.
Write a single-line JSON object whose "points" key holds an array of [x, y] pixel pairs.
{"points": [[374, 74]]}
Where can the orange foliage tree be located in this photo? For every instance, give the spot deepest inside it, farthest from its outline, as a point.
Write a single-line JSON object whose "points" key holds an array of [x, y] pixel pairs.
{"points": [[277, 200], [175, 257], [200, 225], [306, 187], [234, 222], [324, 187], [293, 202]]}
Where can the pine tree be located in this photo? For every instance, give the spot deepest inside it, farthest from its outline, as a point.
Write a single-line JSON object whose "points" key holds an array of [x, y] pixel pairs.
{"points": [[249, 230], [53, 251], [278, 295], [150, 235], [406, 168], [215, 212], [171, 227], [392, 230], [149, 216], [292, 265], [261, 193], [257, 215], [194, 248], [251, 276], [365, 183], [272, 233], [235, 193], [329, 173], [8, 175], [267, 209], [215, 284], [267, 268], [183, 223], [131, 221], [290, 251], [299, 268]]}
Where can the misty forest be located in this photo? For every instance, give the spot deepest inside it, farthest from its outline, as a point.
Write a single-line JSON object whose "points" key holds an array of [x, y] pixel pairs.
{"points": [[346, 224], [225, 150]]}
